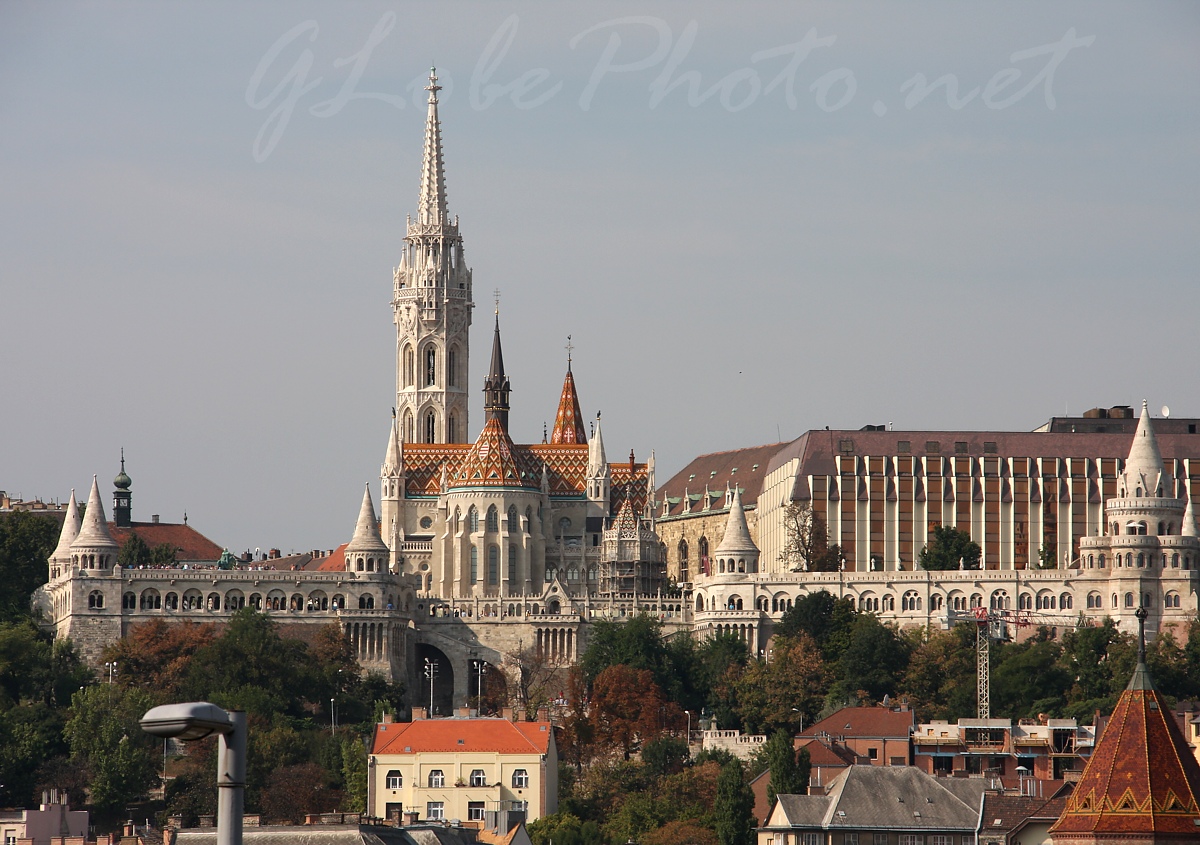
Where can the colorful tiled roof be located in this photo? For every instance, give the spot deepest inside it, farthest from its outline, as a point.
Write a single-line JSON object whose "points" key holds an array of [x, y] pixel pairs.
{"points": [[498, 736], [630, 481], [1141, 778], [493, 462], [568, 422]]}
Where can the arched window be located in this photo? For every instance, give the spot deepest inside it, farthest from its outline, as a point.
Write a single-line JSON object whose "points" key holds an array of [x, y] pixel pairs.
{"points": [[478, 778], [1129, 599], [472, 520], [493, 564], [171, 601], [493, 519], [514, 521], [95, 600], [436, 778], [520, 779], [129, 601], [910, 601], [409, 367], [702, 550], [683, 560], [474, 564], [430, 426], [1000, 600], [889, 603], [451, 429], [409, 432], [452, 367], [935, 603], [395, 780], [430, 366], [1101, 560], [512, 563]]}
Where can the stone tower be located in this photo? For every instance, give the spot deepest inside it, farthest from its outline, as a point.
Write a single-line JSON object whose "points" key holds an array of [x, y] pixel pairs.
{"points": [[432, 308], [122, 497]]}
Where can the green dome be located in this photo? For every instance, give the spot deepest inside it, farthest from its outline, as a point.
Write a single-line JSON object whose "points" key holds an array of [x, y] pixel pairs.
{"points": [[122, 481]]}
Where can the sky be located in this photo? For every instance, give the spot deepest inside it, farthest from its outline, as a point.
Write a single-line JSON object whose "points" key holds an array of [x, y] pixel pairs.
{"points": [[752, 219]]}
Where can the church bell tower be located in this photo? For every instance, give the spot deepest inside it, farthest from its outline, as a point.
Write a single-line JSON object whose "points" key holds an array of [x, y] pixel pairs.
{"points": [[431, 306]]}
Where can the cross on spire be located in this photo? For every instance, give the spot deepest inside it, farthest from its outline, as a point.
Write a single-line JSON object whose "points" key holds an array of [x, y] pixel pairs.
{"points": [[570, 347], [496, 298]]}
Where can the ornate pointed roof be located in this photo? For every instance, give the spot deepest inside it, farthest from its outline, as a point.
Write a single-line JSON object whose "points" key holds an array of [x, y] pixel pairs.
{"points": [[492, 462], [1141, 780], [496, 385], [70, 530], [597, 460], [1189, 520], [626, 522], [568, 422], [366, 532], [737, 539], [93, 529], [393, 461], [431, 207], [1144, 466]]}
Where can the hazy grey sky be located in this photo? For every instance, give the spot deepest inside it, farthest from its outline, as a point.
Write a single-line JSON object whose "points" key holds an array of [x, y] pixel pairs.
{"points": [[747, 216]]}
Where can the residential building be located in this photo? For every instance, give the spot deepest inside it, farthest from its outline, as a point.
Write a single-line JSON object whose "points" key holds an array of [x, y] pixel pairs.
{"points": [[463, 768], [52, 820], [880, 736], [879, 805], [1021, 819], [1050, 749]]}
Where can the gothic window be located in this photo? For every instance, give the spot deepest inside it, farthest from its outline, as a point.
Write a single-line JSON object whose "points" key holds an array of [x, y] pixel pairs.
{"points": [[430, 426], [1000, 600], [493, 519], [452, 367], [910, 601], [493, 564], [472, 520], [430, 366], [409, 367], [564, 525], [96, 600], [474, 564], [683, 560], [408, 433], [529, 517], [1129, 599], [513, 524], [512, 563], [703, 551]]}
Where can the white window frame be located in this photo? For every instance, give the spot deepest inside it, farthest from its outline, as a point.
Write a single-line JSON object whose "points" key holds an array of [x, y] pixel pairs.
{"points": [[478, 777], [437, 779], [520, 779], [394, 779], [475, 811], [435, 810]]}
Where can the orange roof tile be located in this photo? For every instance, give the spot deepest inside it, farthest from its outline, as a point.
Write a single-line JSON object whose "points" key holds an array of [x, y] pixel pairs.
{"points": [[467, 735], [336, 562], [568, 422], [189, 543], [864, 722]]}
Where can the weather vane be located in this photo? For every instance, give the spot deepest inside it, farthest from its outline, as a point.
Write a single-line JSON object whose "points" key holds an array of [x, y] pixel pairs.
{"points": [[496, 295]]}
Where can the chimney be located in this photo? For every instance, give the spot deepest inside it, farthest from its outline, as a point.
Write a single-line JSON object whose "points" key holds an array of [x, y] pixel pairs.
{"points": [[169, 836], [387, 718], [154, 518], [506, 713], [410, 818], [543, 714], [463, 712], [419, 713]]}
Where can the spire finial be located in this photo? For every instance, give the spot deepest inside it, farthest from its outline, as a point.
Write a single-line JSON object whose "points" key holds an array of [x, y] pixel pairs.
{"points": [[1141, 614], [496, 299], [433, 87], [122, 459], [570, 348]]}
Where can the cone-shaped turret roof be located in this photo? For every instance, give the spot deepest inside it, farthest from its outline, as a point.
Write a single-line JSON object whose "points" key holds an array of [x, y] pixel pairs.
{"points": [[626, 521], [491, 462], [70, 530], [597, 460], [431, 208], [393, 461], [1141, 780], [737, 539], [366, 532], [93, 530], [1144, 468], [1189, 520], [568, 422], [496, 385]]}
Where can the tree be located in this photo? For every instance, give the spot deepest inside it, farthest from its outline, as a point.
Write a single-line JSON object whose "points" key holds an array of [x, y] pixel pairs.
{"points": [[354, 775], [163, 555], [292, 791], [628, 709], [564, 829], [781, 693], [26, 543], [1028, 678], [734, 807], [826, 619], [788, 775], [940, 677], [105, 738], [159, 650], [806, 541], [1047, 559], [636, 643], [873, 662], [950, 548], [685, 832], [665, 755], [134, 553], [536, 680]]}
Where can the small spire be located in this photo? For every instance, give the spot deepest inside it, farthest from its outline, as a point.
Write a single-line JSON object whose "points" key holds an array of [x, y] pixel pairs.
{"points": [[93, 529], [568, 421], [70, 530], [496, 386], [366, 530], [1141, 674]]}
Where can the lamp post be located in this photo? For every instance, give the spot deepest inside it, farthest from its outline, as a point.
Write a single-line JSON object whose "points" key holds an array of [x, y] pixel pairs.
{"points": [[112, 671], [688, 738], [197, 720], [333, 716], [481, 668], [431, 670]]}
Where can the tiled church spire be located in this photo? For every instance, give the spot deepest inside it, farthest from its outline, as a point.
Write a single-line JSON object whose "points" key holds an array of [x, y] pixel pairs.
{"points": [[496, 385], [568, 422]]}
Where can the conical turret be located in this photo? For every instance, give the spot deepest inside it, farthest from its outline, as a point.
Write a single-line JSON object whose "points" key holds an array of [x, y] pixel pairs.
{"points": [[366, 551], [597, 460], [61, 558], [393, 460], [737, 542], [94, 547], [1144, 473], [1189, 520]]}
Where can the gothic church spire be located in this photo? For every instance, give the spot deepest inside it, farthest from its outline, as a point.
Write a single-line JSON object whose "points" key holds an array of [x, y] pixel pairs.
{"points": [[431, 208]]}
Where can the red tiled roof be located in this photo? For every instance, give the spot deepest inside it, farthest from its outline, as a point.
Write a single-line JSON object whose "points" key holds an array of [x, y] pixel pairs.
{"points": [[568, 422], [336, 562], [1141, 777], [468, 735], [865, 722], [826, 755], [718, 470], [189, 543]]}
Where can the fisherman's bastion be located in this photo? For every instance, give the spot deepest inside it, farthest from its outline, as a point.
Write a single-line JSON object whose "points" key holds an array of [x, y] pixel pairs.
{"points": [[482, 549]]}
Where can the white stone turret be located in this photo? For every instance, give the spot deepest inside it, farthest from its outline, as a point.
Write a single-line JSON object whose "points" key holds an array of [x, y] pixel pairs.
{"points": [[599, 479], [1144, 473], [432, 308], [366, 551], [391, 492], [94, 547], [60, 559], [737, 552], [1189, 520]]}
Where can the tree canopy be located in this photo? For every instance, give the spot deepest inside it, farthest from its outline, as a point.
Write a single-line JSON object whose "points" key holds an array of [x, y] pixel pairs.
{"points": [[950, 548]]}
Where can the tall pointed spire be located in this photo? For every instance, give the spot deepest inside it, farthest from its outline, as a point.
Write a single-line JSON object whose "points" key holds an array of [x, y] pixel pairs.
{"points": [[597, 460], [94, 544], [568, 422], [737, 539], [393, 461], [496, 386], [1144, 470], [1189, 519], [431, 209]]}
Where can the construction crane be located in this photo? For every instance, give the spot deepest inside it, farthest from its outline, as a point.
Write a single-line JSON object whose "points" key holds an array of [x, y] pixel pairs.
{"points": [[992, 624]]}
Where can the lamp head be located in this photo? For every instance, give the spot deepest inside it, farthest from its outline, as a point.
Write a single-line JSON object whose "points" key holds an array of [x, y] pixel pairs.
{"points": [[191, 721]]}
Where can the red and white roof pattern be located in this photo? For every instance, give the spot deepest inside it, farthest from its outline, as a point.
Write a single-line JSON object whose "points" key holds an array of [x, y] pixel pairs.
{"points": [[568, 422]]}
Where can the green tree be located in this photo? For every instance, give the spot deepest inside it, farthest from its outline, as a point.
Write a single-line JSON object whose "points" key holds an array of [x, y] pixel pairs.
{"points": [[564, 829], [26, 542], [789, 776], [636, 643], [120, 758], [940, 677], [1047, 559], [781, 693], [873, 662], [734, 807], [134, 552], [826, 619], [354, 775], [1100, 659], [949, 548], [163, 555], [665, 755], [1028, 678]]}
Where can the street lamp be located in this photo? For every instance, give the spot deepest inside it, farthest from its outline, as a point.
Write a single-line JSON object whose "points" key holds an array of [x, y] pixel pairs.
{"points": [[431, 670], [112, 670], [481, 668], [197, 720], [688, 739]]}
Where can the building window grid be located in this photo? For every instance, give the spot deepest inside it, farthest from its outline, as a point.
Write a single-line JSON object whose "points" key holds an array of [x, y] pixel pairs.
{"points": [[520, 779], [435, 810], [478, 778], [395, 780], [436, 779]]}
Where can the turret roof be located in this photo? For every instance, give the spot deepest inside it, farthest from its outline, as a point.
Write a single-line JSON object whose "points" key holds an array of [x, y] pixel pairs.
{"points": [[366, 532], [1141, 777], [1144, 467], [393, 461], [70, 530], [431, 208], [93, 530], [492, 462], [568, 422], [737, 537]]}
